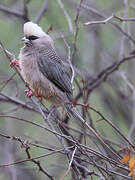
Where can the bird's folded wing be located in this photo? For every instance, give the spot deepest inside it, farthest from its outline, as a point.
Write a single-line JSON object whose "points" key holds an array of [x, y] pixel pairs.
{"points": [[56, 72]]}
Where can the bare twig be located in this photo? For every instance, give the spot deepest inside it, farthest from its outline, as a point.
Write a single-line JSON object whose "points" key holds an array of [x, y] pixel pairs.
{"points": [[69, 59], [30, 159], [109, 19], [124, 18], [101, 15], [108, 71], [80, 156], [15, 13], [7, 81], [38, 125], [114, 127], [99, 22], [69, 167], [40, 13], [10, 11], [25, 11], [132, 88], [76, 29], [66, 15], [10, 56], [37, 163]]}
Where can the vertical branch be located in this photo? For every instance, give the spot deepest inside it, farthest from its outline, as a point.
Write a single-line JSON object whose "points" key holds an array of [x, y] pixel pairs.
{"points": [[76, 30], [69, 59], [42, 10], [25, 11], [66, 15], [122, 43]]}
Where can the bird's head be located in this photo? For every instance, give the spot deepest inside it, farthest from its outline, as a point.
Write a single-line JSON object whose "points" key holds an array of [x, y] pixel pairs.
{"points": [[32, 32]]}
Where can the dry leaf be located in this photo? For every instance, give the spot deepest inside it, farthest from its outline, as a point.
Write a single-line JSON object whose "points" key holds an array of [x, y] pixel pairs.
{"points": [[132, 173], [132, 167], [125, 158], [132, 163]]}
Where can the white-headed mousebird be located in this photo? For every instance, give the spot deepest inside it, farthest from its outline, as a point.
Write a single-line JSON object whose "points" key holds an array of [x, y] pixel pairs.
{"points": [[44, 71], [41, 67]]}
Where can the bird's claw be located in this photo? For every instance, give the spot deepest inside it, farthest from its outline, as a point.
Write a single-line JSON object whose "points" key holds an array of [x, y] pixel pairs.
{"points": [[29, 93], [14, 63]]}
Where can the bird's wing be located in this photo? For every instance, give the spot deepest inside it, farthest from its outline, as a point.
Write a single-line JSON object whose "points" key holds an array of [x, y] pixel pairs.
{"points": [[55, 71]]}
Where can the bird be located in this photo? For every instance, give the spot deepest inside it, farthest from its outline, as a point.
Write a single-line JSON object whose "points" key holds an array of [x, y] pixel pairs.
{"points": [[42, 68], [44, 71]]}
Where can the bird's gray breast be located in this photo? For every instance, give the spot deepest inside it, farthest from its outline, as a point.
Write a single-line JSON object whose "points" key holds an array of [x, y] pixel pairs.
{"points": [[29, 68]]}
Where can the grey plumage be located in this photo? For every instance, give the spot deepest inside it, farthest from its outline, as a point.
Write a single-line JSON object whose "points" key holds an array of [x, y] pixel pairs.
{"points": [[51, 66], [43, 69]]}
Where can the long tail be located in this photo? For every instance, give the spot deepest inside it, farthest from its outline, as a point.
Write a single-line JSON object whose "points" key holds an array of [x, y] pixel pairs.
{"points": [[72, 111]]}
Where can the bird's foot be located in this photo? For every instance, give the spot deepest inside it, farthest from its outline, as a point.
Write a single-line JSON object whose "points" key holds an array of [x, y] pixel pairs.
{"points": [[14, 63], [29, 93]]}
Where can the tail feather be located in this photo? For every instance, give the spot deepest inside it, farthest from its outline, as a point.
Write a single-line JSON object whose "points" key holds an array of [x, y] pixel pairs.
{"points": [[72, 111]]}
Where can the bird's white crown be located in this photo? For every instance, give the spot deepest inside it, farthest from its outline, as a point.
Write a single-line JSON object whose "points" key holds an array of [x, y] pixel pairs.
{"points": [[32, 29]]}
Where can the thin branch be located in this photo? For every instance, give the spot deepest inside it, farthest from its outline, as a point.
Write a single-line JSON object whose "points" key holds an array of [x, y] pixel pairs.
{"points": [[70, 163], [99, 22], [78, 144], [76, 29], [104, 74], [38, 125], [30, 159], [107, 72], [14, 101], [114, 127], [108, 170], [40, 13], [11, 11], [69, 59], [10, 56], [25, 10], [109, 19], [15, 13], [21, 140], [124, 18], [101, 15], [132, 88], [66, 15], [7, 81], [38, 164]]}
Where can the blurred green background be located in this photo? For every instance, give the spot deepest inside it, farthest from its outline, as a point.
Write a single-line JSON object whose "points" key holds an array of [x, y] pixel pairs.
{"points": [[98, 46]]}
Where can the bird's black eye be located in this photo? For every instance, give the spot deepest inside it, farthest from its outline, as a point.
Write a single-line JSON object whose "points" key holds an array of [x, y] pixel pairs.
{"points": [[32, 37]]}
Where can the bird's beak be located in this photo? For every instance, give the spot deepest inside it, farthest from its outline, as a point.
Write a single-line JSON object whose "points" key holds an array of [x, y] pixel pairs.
{"points": [[25, 40]]}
